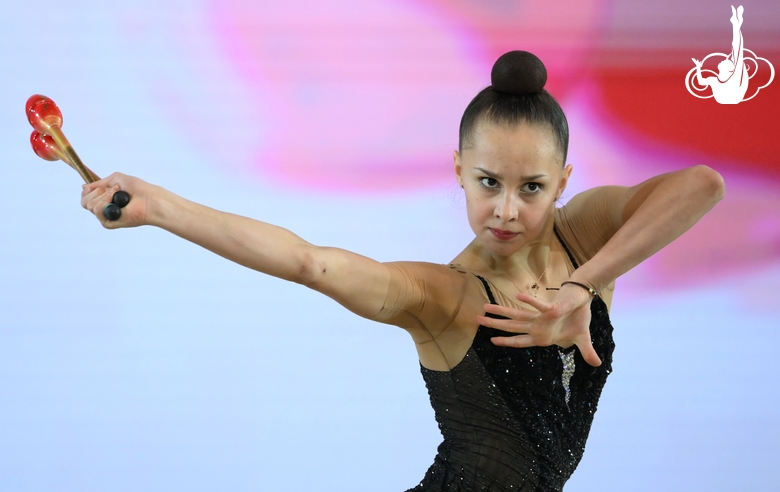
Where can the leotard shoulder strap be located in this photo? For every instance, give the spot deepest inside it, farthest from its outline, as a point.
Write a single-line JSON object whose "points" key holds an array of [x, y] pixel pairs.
{"points": [[487, 289], [566, 248]]}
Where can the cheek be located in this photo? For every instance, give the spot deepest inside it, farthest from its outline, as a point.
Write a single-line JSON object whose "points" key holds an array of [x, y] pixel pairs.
{"points": [[478, 211], [535, 216]]}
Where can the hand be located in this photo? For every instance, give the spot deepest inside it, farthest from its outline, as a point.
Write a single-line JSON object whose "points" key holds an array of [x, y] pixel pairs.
{"points": [[697, 62], [95, 196], [563, 321]]}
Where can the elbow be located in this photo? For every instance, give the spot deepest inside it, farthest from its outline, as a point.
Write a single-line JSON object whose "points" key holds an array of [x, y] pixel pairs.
{"points": [[310, 269], [709, 182]]}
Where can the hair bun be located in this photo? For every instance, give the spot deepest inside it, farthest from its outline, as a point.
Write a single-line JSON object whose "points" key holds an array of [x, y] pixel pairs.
{"points": [[518, 72]]}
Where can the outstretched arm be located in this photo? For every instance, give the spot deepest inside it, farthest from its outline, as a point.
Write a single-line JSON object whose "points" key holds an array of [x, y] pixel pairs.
{"points": [[421, 298], [357, 282]]}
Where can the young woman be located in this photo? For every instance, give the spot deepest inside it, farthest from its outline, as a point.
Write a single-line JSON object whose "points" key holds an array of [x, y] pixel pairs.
{"points": [[513, 335]]}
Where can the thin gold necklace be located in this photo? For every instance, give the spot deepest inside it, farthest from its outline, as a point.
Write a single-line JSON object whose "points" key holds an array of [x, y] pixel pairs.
{"points": [[535, 285]]}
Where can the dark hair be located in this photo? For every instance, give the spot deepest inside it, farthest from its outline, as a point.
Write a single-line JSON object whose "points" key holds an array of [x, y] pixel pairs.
{"points": [[517, 95]]}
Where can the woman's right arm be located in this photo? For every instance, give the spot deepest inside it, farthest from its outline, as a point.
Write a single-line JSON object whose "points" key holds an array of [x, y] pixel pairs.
{"points": [[358, 283]]}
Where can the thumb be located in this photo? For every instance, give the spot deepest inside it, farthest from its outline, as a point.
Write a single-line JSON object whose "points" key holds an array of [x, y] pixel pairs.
{"points": [[588, 352]]}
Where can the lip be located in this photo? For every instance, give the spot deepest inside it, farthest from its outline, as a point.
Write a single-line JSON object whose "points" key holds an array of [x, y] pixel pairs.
{"points": [[503, 235]]}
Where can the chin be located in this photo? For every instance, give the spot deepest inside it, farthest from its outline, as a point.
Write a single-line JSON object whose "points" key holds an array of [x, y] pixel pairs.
{"points": [[501, 248]]}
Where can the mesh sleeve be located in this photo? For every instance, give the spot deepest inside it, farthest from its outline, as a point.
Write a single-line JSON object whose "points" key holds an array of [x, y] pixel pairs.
{"points": [[423, 296]]}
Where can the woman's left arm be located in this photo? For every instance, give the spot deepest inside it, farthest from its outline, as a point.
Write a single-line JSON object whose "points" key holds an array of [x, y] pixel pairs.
{"points": [[634, 223], [645, 218]]}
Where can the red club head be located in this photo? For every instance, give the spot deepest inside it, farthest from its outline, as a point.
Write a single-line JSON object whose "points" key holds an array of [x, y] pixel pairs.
{"points": [[44, 146], [43, 114]]}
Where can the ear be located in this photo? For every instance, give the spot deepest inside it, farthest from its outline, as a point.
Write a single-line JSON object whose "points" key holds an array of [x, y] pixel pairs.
{"points": [[564, 180], [458, 167]]}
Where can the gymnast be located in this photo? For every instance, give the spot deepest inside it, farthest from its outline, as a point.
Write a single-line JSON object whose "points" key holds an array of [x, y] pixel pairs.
{"points": [[513, 335], [731, 84]]}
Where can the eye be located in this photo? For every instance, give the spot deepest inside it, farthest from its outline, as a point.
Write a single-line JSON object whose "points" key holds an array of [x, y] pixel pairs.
{"points": [[488, 182], [532, 188]]}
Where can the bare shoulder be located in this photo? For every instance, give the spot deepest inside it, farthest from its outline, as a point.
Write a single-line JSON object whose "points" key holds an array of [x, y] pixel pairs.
{"points": [[602, 205], [440, 308], [428, 297], [431, 292]]}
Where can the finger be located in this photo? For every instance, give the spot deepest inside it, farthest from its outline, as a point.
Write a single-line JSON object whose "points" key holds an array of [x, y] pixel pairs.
{"points": [[591, 357], [99, 194], [97, 200], [517, 341], [97, 186], [589, 353], [115, 181], [509, 325], [534, 302], [88, 197]]}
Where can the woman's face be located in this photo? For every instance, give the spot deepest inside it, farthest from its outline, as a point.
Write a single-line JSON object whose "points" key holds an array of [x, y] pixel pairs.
{"points": [[511, 176]]}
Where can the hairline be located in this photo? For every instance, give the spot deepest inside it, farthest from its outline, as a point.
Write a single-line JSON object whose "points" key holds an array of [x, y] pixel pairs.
{"points": [[485, 117]]}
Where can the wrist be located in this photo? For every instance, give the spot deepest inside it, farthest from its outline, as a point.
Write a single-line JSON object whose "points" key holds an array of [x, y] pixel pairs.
{"points": [[581, 285], [596, 276], [159, 207]]}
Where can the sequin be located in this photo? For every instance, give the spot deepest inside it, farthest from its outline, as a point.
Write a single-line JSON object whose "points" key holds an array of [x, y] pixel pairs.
{"points": [[567, 359], [515, 419]]}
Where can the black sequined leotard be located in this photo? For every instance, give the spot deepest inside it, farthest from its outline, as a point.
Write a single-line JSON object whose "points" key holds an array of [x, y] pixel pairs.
{"points": [[515, 419]]}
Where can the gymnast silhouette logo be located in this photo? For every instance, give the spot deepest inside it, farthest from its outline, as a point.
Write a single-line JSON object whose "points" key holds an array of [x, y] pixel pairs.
{"points": [[730, 84]]}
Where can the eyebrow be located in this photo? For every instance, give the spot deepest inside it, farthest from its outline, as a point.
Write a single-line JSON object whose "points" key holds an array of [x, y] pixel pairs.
{"points": [[493, 175]]}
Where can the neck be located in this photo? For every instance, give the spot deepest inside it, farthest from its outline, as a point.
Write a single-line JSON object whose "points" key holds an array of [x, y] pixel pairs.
{"points": [[529, 262]]}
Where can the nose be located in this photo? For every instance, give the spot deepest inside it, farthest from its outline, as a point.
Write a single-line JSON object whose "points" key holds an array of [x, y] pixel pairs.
{"points": [[507, 208]]}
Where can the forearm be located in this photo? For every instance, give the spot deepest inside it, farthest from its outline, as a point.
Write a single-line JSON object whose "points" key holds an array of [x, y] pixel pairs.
{"points": [[248, 242], [657, 215]]}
